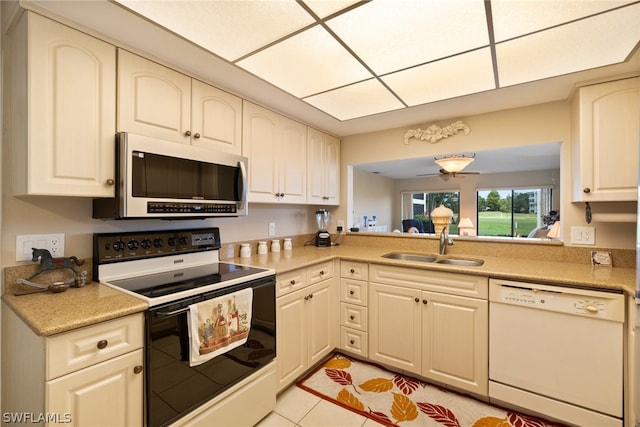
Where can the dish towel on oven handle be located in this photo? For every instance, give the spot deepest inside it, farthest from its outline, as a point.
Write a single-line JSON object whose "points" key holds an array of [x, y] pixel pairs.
{"points": [[218, 325]]}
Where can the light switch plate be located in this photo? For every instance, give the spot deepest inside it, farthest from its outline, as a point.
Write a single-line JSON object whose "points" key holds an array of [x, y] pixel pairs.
{"points": [[54, 243]]}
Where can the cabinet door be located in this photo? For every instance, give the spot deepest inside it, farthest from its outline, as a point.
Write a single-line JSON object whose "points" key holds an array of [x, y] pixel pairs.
{"points": [[216, 118], [332, 170], [454, 341], [292, 165], [322, 320], [323, 165], [153, 100], [71, 112], [291, 333], [260, 145], [394, 326], [107, 394], [606, 149]]}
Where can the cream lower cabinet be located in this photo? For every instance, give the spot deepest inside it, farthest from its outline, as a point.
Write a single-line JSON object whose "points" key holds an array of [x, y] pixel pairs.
{"points": [[430, 323], [92, 376], [306, 319]]}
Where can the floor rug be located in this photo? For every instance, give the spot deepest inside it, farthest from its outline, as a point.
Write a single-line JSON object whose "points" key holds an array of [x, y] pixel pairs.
{"points": [[392, 399]]}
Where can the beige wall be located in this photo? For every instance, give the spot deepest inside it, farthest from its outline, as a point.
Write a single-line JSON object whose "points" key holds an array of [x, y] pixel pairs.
{"points": [[374, 196], [535, 124]]}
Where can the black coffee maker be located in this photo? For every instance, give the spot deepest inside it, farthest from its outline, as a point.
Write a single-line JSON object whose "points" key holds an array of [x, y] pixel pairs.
{"points": [[323, 238]]}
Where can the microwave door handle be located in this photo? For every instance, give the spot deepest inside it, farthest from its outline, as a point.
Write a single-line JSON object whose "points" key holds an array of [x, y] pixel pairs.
{"points": [[242, 185]]}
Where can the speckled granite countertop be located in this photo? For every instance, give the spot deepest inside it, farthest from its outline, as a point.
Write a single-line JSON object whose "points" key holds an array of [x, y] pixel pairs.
{"points": [[561, 273], [48, 314]]}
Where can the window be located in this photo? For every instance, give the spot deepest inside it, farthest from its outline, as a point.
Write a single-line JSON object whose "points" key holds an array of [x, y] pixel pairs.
{"points": [[420, 205], [512, 212]]}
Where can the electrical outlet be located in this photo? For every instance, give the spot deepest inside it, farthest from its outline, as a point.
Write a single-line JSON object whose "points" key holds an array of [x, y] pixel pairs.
{"points": [[54, 243], [272, 229], [583, 235]]}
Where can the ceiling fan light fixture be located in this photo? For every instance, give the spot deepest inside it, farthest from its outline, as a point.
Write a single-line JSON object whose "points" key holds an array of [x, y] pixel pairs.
{"points": [[455, 163]]}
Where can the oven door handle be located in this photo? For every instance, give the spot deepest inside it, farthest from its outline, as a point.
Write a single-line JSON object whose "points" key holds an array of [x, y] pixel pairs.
{"points": [[170, 313]]}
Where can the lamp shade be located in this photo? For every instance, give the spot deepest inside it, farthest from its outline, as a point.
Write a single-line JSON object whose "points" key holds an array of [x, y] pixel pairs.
{"points": [[455, 163], [554, 232]]}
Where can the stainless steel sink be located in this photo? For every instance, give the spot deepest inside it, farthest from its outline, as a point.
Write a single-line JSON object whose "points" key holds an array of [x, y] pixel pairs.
{"points": [[410, 257], [457, 261], [432, 258]]}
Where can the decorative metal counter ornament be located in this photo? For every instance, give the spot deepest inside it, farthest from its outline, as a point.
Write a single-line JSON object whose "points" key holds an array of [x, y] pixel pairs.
{"points": [[435, 133], [49, 263]]}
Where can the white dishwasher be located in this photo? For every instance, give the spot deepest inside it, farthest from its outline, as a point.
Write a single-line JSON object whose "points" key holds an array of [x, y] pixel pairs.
{"points": [[557, 351]]}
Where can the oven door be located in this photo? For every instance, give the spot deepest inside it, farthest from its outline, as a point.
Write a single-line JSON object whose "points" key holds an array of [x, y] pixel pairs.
{"points": [[173, 388]]}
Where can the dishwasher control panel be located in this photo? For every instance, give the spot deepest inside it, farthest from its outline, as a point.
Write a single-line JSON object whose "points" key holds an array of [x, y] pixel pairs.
{"points": [[586, 302]]}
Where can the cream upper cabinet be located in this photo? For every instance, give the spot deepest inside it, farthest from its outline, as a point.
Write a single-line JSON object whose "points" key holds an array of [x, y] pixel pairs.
{"points": [[62, 114], [156, 101], [323, 168], [605, 142], [277, 148]]}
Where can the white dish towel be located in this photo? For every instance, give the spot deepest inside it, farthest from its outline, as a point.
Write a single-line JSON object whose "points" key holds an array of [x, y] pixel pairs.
{"points": [[218, 325]]}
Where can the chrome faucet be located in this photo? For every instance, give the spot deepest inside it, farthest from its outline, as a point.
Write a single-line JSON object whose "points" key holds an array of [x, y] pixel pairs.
{"points": [[445, 240]]}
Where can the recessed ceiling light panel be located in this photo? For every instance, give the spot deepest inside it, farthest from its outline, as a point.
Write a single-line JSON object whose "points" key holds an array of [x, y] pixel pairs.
{"points": [[390, 35], [307, 63], [357, 100], [460, 75], [324, 8]]}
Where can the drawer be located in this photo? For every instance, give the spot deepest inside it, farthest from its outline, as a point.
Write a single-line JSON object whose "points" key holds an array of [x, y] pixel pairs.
{"points": [[354, 341], [354, 270], [319, 272], [466, 285], [353, 291], [84, 347], [291, 281], [353, 316]]}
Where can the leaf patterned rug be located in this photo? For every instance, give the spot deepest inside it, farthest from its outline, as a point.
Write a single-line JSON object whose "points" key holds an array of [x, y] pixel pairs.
{"points": [[392, 399]]}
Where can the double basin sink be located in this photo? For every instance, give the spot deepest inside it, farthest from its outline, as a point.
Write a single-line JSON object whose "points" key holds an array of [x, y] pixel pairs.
{"points": [[404, 256]]}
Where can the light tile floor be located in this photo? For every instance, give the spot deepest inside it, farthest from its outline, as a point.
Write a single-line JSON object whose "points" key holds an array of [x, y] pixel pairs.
{"points": [[296, 407]]}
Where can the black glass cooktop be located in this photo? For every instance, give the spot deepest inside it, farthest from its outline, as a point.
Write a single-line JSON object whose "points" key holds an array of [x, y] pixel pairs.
{"points": [[171, 282]]}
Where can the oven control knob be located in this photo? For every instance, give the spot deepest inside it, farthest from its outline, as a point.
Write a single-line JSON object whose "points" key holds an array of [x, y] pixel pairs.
{"points": [[133, 244], [146, 243], [171, 241], [118, 246], [158, 242], [183, 241]]}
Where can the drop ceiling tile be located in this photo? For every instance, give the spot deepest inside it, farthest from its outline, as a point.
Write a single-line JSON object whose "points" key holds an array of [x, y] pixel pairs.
{"points": [[229, 29], [306, 64], [582, 45], [516, 18], [357, 100], [389, 35], [324, 8], [464, 74]]}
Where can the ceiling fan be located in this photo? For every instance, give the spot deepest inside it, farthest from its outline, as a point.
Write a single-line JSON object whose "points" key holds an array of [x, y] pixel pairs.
{"points": [[451, 166]]}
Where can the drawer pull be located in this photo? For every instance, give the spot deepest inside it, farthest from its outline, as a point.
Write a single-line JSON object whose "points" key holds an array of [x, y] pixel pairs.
{"points": [[351, 292], [322, 272], [292, 282], [137, 369], [352, 271], [352, 342], [102, 344], [352, 317]]}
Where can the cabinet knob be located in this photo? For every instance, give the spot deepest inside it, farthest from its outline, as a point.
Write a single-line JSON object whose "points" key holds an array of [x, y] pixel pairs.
{"points": [[424, 301], [352, 342], [187, 133], [352, 271], [352, 317], [292, 282], [586, 190], [102, 344], [196, 136], [351, 292], [110, 181], [137, 369], [417, 299], [310, 296], [322, 272]]}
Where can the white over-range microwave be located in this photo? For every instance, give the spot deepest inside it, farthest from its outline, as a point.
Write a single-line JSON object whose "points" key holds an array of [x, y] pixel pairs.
{"points": [[162, 179]]}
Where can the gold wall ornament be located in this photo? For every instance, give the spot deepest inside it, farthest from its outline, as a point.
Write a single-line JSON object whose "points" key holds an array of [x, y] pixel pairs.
{"points": [[435, 133]]}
